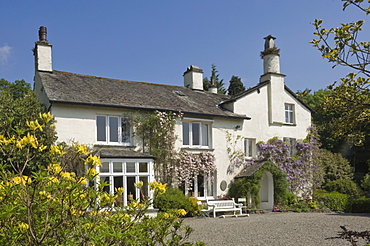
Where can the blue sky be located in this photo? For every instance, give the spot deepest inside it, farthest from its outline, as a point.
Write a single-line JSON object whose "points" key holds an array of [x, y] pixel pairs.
{"points": [[154, 41]]}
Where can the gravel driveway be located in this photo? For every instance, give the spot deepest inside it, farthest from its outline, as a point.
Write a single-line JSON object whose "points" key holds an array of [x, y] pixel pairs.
{"points": [[276, 229]]}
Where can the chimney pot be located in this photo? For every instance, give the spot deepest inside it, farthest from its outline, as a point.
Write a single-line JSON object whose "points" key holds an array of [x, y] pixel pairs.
{"points": [[42, 34]]}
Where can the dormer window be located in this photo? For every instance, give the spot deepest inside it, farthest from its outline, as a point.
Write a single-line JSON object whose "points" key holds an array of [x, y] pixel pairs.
{"points": [[113, 130], [289, 113]]}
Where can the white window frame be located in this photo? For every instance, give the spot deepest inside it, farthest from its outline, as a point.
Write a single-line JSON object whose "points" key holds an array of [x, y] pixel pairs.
{"points": [[119, 131], [292, 142], [209, 189], [289, 113], [111, 174], [205, 127], [250, 143]]}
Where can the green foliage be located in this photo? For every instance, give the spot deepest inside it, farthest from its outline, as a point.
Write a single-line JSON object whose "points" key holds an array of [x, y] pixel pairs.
{"points": [[241, 187], [18, 89], [334, 200], [219, 83], [344, 186], [157, 133], [236, 86], [19, 104], [52, 206], [334, 166], [350, 98], [174, 199], [359, 205]]}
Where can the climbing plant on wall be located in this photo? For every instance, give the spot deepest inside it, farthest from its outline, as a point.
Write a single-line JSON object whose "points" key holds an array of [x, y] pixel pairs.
{"points": [[242, 187], [157, 131]]}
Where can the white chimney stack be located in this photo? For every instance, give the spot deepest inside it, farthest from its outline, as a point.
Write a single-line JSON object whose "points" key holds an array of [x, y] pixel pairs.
{"points": [[193, 78], [42, 52]]}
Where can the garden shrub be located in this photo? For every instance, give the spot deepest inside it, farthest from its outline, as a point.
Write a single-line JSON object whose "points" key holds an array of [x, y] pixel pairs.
{"points": [[359, 205], [344, 186], [174, 199], [334, 166], [334, 200], [54, 206]]}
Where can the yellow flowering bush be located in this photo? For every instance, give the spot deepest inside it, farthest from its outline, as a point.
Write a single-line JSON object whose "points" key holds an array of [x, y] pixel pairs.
{"points": [[59, 202]]}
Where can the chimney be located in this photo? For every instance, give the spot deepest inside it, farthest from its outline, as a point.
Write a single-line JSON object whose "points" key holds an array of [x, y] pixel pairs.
{"points": [[212, 88], [42, 52], [270, 56], [193, 78]]}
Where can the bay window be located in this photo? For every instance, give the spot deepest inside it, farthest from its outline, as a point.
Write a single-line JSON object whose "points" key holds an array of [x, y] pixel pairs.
{"points": [[125, 173]]}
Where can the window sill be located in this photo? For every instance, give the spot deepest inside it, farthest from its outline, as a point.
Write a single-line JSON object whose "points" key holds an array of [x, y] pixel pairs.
{"points": [[198, 148], [289, 124], [113, 145]]}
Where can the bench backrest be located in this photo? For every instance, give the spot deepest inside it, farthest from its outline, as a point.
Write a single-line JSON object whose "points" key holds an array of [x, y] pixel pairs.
{"points": [[222, 204]]}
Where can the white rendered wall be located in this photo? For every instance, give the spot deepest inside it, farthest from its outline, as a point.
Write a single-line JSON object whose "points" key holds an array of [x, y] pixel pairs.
{"points": [[43, 58]]}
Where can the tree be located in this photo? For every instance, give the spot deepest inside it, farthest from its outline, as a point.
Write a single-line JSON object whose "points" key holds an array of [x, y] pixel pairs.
{"points": [[350, 98], [236, 86], [19, 104], [216, 80]]}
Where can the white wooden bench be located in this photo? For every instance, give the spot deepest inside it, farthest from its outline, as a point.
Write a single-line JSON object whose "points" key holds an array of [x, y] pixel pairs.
{"points": [[225, 206]]}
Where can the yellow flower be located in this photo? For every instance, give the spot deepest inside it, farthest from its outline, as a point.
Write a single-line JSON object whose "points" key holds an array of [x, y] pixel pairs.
{"points": [[5, 141], [45, 194], [23, 226], [82, 181], [139, 184], [34, 125], [55, 168], [93, 160], [21, 180], [181, 212], [119, 190], [53, 180], [57, 150], [46, 117], [80, 148], [159, 188], [66, 175], [92, 172]]}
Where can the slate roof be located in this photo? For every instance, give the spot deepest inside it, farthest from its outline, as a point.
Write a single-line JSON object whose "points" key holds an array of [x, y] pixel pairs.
{"points": [[70, 88], [119, 152], [249, 171]]}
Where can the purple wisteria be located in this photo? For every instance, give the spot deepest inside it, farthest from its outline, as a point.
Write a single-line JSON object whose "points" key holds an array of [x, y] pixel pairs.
{"points": [[301, 167]]}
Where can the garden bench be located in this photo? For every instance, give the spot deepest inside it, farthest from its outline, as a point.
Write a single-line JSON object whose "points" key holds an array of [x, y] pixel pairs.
{"points": [[225, 206]]}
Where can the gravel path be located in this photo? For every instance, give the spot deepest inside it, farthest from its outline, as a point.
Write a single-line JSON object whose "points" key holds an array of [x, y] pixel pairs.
{"points": [[308, 229]]}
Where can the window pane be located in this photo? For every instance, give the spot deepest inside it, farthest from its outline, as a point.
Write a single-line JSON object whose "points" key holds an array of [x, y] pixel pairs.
{"points": [[105, 167], [145, 188], [209, 187], [117, 167], [200, 185], [143, 167], [130, 167], [126, 130], [118, 183], [131, 190], [204, 135], [185, 133], [113, 129], [195, 127], [101, 128]]}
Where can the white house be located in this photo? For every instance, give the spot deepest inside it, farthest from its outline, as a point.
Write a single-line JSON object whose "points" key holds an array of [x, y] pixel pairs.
{"points": [[92, 110]]}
